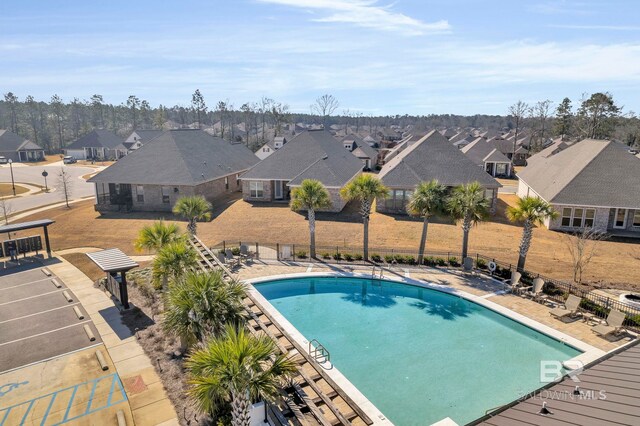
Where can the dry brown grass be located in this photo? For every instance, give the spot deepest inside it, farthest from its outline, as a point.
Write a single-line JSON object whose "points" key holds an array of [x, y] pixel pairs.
{"points": [[6, 189], [48, 159], [236, 220], [86, 265]]}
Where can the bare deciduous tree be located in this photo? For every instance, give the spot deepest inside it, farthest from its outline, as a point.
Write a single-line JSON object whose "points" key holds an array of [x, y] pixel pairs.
{"points": [[582, 246], [280, 114], [324, 106], [65, 184], [5, 209], [540, 114], [518, 111]]}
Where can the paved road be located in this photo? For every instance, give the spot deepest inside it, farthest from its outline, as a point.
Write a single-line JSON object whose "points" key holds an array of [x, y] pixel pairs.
{"points": [[33, 174]]}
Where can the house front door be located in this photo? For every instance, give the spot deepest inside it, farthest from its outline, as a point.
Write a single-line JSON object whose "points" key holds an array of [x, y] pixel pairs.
{"points": [[277, 190], [620, 221]]}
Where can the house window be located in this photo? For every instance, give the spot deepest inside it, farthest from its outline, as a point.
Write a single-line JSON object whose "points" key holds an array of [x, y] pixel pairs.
{"points": [[140, 193], [255, 189], [589, 215], [238, 179], [226, 183], [566, 216], [636, 219], [165, 195], [577, 218]]}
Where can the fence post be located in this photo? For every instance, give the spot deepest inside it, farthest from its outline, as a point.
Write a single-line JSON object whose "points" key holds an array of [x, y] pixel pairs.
{"points": [[277, 251], [224, 245], [294, 252], [257, 251], [337, 251]]}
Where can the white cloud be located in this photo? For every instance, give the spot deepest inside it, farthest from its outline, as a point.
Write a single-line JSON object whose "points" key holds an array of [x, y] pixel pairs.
{"points": [[597, 27], [368, 14]]}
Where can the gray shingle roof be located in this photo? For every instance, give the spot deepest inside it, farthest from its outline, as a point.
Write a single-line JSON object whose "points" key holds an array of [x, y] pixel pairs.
{"points": [[433, 157], [9, 141], [179, 157], [98, 138], [302, 158], [589, 173], [147, 134], [480, 150]]}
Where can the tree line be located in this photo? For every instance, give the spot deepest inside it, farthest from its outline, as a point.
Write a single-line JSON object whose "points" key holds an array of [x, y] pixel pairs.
{"points": [[54, 123]]}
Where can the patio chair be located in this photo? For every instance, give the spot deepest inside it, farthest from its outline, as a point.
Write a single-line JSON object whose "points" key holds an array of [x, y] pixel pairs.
{"points": [[514, 283], [231, 259], [245, 253], [615, 319], [571, 307], [536, 293]]}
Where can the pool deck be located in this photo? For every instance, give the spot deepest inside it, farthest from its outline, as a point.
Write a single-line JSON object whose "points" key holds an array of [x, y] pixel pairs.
{"points": [[477, 288]]}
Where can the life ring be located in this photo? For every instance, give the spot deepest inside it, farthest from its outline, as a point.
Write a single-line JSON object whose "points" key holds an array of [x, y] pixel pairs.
{"points": [[492, 266]]}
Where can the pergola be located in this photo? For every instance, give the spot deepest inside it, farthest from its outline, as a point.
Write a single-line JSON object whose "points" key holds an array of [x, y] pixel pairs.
{"points": [[43, 223], [114, 261]]}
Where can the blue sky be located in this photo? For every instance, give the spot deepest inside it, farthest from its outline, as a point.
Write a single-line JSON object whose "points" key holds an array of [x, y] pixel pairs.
{"points": [[376, 57]]}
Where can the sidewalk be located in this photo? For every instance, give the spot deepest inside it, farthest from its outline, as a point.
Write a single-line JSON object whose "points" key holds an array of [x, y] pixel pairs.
{"points": [[147, 397]]}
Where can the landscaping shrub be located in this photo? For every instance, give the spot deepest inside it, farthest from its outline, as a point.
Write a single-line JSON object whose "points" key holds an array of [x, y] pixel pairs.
{"points": [[348, 257], [235, 251], [359, 257], [440, 261], [326, 255], [398, 258], [389, 258], [376, 258], [481, 264], [410, 260], [551, 289], [454, 262], [301, 254], [429, 261], [337, 256]]}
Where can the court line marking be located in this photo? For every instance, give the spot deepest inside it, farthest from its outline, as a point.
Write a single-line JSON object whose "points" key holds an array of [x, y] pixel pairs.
{"points": [[51, 358], [60, 290], [41, 312], [46, 332], [23, 284]]}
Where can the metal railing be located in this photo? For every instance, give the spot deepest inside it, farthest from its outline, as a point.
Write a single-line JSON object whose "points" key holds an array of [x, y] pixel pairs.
{"points": [[318, 352], [556, 290]]}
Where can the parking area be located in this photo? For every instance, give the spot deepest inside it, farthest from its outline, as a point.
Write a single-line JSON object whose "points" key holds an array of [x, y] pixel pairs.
{"points": [[40, 318]]}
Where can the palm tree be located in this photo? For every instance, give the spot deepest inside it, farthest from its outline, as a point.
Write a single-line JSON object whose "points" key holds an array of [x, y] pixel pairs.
{"points": [[428, 199], [155, 236], [200, 304], [238, 368], [172, 261], [365, 188], [532, 211], [310, 196], [467, 204], [193, 209]]}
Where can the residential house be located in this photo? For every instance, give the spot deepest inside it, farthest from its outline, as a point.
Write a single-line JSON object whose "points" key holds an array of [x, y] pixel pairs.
{"points": [[137, 138], [558, 145], [18, 149], [431, 157], [270, 147], [178, 163], [312, 154], [486, 156], [591, 184], [362, 150], [98, 144]]}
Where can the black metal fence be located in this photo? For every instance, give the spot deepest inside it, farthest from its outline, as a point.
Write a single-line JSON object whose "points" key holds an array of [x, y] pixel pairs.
{"points": [[556, 290]]}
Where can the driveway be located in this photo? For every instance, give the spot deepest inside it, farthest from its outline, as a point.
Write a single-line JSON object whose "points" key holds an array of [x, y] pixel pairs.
{"points": [[33, 174]]}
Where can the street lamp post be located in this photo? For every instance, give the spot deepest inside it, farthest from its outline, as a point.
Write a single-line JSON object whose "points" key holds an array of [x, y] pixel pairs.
{"points": [[13, 183], [44, 175]]}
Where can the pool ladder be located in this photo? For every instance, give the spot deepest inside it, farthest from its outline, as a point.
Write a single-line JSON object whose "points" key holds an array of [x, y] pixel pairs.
{"points": [[318, 352], [373, 272]]}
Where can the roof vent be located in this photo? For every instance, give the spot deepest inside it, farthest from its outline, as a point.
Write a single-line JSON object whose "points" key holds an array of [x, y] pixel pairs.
{"points": [[203, 175], [324, 157]]}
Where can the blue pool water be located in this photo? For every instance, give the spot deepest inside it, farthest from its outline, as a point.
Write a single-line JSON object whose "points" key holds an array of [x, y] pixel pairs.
{"points": [[419, 355]]}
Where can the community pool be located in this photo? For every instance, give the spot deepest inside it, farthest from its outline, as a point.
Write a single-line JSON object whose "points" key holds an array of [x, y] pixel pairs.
{"points": [[419, 355]]}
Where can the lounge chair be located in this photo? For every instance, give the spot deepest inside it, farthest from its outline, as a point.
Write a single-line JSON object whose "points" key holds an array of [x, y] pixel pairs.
{"points": [[571, 307], [245, 253], [536, 293], [615, 319], [231, 259], [514, 283]]}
